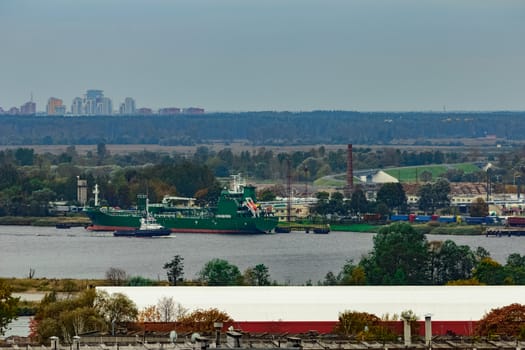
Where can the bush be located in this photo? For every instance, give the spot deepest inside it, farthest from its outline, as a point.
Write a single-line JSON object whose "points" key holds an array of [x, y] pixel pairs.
{"points": [[363, 326]]}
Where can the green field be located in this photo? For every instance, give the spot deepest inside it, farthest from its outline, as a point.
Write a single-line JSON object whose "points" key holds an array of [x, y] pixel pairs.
{"points": [[413, 174], [404, 174]]}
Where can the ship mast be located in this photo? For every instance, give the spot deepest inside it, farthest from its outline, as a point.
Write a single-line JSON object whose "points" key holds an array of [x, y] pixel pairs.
{"points": [[96, 192]]}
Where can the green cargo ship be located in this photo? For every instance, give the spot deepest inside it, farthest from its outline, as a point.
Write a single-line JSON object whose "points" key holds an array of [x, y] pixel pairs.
{"points": [[237, 211]]}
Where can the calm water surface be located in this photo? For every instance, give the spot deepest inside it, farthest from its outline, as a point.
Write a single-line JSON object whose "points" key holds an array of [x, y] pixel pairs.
{"points": [[292, 258]]}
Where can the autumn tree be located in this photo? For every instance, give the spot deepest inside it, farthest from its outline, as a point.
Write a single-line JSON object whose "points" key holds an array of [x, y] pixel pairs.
{"points": [[506, 320], [8, 307], [115, 308], [201, 320], [67, 317], [149, 314], [361, 325]]}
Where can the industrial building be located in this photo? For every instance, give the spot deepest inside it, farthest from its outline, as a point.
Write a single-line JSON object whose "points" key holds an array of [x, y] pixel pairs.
{"points": [[453, 309]]}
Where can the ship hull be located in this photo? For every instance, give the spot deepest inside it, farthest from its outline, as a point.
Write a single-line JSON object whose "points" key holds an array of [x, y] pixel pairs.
{"points": [[120, 221], [142, 233]]}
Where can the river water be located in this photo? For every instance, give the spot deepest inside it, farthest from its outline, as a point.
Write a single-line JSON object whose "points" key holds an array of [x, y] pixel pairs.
{"points": [[292, 258]]}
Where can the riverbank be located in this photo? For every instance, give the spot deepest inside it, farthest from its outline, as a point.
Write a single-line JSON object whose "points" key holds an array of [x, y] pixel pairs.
{"points": [[427, 228], [430, 228], [71, 221]]}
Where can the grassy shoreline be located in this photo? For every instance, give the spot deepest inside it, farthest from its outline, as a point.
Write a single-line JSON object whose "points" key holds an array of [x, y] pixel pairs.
{"points": [[44, 221]]}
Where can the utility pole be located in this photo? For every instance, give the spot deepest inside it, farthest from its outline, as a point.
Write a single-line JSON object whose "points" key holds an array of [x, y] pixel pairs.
{"points": [[305, 181], [289, 189]]}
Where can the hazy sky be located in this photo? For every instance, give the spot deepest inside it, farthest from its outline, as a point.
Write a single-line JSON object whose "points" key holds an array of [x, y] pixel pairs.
{"points": [[246, 55]]}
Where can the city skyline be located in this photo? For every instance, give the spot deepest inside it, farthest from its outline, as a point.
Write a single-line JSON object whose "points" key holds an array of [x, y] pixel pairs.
{"points": [[93, 102], [296, 55]]}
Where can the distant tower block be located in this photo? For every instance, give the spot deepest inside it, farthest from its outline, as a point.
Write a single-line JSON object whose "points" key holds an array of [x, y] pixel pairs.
{"points": [[81, 191], [349, 173]]}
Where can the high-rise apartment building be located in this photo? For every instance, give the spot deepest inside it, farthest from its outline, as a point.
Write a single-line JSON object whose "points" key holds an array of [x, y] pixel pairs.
{"points": [[77, 107], [93, 103], [28, 108], [54, 106], [129, 104], [104, 106], [94, 94]]}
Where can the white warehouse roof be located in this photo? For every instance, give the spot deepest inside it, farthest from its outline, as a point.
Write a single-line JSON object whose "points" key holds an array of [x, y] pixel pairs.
{"points": [[316, 303]]}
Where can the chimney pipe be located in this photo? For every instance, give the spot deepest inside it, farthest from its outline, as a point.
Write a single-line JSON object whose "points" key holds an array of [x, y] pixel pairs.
{"points": [[54, 343], [428, 330], [407, 333]]}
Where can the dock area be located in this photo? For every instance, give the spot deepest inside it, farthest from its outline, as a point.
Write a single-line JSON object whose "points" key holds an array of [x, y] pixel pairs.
{"points": [[500, 231], [307, 228]]}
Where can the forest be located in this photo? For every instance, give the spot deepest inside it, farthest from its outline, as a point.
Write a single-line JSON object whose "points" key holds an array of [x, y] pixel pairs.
{"points": [[266, 128]]}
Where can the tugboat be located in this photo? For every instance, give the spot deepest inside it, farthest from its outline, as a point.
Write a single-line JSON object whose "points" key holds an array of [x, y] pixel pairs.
{"points": [[148, 228]]}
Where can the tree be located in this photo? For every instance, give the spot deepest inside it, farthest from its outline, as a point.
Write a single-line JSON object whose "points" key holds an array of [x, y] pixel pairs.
{"points": [[330, 279], [426, 198], [358, 201], [425, 176], [149, 314], [393, 195], [490, 272], [434, 196], [362, 325], [266, 194], [202, 320], [25, 156], [351, 274], [515, 268], [175, 269], [257, 276], [115, 308], [479, 208], [169, 310], [506, 320], [67, 317], [8, 307], [399, 256], [116, 276], [219, 272], [450, 262]]}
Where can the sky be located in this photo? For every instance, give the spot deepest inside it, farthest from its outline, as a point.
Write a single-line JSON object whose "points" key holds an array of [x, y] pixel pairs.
{"points": [[279, 55]]}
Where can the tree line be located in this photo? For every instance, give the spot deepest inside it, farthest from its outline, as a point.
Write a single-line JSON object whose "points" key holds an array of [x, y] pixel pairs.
{"points": [[264, 128], [400, 255]]}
